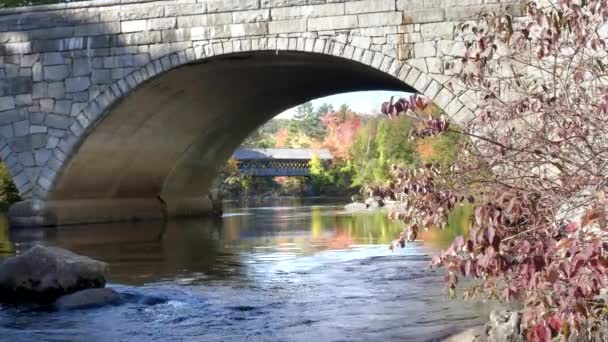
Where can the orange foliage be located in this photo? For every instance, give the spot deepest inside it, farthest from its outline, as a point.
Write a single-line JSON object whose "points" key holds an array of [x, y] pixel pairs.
{"points": [[341, 131], [425, 150], [281, 138]]}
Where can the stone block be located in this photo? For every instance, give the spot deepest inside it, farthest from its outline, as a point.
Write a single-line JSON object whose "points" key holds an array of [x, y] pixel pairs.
{"points": [[26, 159], [133, 26], [42, 156], [56, 90], [21, 128], [37, 118], [204, 20], [97, 29], [287, 26], [47, 105], [231, 5], [443, 98], [16, 85], [409, 5], [134, 12], [58, 121], [311, 11], [251, 16], [362, 42], [200, 33], [437, 30], [185, 9], [38, 129], [27, 61], [423, 16], [38, 140], [53, 58], [77, 84], [101, 76], [81, 66], [7, 103], [425, 49], [23, 100], [7, 132], [63, 107], [369, 6], [161, 24], [178, 35], [118, 61], [40, 90], [380, 19], [56, 72], [333, 23], [286, 3], [139, 38], [15, 48]]}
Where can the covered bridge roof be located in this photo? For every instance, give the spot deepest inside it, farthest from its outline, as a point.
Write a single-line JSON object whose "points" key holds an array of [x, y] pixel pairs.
{"points": [[281, 154]]}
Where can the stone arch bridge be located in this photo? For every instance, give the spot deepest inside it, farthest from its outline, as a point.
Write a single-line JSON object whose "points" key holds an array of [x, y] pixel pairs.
{"points": [[114, 109]]}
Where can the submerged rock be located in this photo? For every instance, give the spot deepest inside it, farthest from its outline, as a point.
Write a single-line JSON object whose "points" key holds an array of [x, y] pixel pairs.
{"points": [[88, 298], [355, 206], [43, 274], [504, 326], [469, 335], [374, 203]]}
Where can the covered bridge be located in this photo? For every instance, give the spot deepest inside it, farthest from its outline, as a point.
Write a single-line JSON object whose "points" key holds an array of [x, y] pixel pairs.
{"points": [[278, 162]]}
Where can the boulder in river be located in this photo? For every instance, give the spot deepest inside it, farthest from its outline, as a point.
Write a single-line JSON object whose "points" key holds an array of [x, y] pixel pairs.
{"points": [[43, 274], [88, 298], [356, 206], [504, 326], [374, 203]]}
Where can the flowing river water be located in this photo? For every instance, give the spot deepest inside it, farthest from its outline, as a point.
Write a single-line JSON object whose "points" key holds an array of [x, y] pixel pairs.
{"points": [[291, 271]]}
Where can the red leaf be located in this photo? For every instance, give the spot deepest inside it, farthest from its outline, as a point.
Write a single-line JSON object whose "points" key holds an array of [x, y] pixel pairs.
{"points": [[556, 323], [571, 227], [539, 333]]}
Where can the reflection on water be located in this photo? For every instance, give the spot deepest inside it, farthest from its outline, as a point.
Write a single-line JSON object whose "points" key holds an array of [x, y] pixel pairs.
{"points": [[6, 246], [282, 272]]}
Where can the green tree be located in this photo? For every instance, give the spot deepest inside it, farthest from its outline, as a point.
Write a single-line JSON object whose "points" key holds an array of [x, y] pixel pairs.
{"points": [[8, 191], [307, 121], [319, 176], [365, 153], [394, 141]]}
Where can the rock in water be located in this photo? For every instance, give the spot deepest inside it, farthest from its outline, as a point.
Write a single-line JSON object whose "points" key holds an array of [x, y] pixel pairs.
{"points": [[88, 299], [374, 203], [355, 206], [504, 326], [43, 274]]}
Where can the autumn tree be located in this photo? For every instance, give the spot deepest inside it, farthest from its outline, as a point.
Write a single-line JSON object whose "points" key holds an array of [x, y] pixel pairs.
{"points": [[341, 131], [532, 162]]}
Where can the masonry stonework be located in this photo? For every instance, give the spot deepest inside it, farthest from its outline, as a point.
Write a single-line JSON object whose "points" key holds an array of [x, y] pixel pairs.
{"points": [[62, 67]]}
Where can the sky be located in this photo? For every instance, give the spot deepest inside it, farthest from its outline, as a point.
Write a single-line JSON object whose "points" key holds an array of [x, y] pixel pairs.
{"points": [[360, 102]]}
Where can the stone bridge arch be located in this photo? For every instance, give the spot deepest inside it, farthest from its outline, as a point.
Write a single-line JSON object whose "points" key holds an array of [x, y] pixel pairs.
{"points": [[59, 103]]}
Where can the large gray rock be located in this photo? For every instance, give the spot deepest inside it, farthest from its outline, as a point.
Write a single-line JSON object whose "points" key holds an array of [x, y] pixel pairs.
{"points": [[475, 334], [504, 326], [88, 299], [43, 274], [374, 203], [355, 206]]}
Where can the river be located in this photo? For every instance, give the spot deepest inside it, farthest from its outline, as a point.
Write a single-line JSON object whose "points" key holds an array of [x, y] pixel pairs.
{"points": [[298, 270]]}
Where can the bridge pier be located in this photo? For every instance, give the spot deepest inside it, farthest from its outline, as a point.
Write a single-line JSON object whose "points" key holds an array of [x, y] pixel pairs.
{"points": [[37, 213]]}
